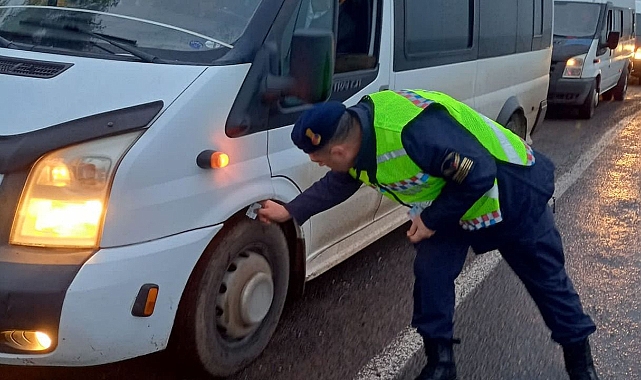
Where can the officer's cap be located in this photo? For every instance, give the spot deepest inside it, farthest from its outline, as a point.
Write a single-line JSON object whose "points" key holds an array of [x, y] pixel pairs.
{"points": [[316, 126]]}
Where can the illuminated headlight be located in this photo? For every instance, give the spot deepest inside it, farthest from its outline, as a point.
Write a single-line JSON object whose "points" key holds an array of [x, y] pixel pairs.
{"points": [[65, 198], [637, 54], [574, 67]]}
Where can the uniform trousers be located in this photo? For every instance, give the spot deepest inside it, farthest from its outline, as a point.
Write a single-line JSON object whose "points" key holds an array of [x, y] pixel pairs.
{"points": [[534, 252]]}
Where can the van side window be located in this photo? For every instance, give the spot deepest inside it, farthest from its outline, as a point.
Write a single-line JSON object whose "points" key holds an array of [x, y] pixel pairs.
{"points": [[628, 24], [311, 14], [614, 20], [499, 38], [538, 18], [356, 29], [355, 36], [429, 31], [618, 22]]}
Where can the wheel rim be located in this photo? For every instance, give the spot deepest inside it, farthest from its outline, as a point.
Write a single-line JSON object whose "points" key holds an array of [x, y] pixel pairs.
{"points": [[245, 296], [595, 98]]}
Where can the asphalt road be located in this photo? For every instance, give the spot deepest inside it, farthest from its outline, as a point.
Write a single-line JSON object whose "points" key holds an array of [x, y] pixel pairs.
{"points": [[352, 312]]}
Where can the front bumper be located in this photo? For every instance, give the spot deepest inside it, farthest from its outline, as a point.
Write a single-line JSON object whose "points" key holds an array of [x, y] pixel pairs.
{"points": [[569, 91], [95, 321]]}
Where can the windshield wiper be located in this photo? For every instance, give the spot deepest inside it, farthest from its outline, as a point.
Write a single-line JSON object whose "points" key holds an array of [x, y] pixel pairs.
{"points": [[5, 43], [142, 55]]}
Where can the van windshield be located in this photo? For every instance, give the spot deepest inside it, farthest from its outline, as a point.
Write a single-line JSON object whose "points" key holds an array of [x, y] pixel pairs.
{"points": [[573, 19], [196, 31]]}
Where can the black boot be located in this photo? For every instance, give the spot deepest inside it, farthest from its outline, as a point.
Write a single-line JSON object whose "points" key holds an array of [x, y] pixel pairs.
{"points": [[440, 360], [578, 361]]}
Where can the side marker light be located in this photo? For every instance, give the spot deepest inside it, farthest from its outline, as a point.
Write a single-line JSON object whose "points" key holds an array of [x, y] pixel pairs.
{"points": [[145, 301], [211, 159]]}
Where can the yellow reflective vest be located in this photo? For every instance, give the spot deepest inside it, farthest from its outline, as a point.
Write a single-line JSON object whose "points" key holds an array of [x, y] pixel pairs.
{"points": [[400, 179]]}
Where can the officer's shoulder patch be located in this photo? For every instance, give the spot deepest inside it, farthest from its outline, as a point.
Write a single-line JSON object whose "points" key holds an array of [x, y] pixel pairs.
{"points": [[456, 168]]}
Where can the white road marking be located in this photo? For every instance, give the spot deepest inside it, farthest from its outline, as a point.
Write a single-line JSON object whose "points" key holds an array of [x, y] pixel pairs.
{"points": [[397, 359]]}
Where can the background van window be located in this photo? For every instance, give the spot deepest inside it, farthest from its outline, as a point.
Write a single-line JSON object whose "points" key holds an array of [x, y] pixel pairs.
{"points": [[444, 25]]}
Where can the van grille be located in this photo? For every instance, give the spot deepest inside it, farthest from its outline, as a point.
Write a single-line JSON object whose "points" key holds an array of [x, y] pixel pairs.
{"points": [[31, 68]]}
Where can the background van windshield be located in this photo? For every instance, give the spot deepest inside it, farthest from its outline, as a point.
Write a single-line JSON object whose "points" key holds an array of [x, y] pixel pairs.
{"points": [[576, 19], [185, 30]]}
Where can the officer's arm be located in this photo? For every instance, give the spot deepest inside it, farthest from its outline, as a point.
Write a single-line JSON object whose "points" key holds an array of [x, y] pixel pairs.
{"points": [[331, 190], [440, 146]]}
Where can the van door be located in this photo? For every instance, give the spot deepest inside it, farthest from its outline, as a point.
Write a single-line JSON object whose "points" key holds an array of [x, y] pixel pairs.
{"points": [[358, 71], [609, 63], [434, 48]]}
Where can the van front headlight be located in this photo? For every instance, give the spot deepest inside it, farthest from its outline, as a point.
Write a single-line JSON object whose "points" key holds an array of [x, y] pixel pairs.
{"points": [[66, 194], [574, 67]]}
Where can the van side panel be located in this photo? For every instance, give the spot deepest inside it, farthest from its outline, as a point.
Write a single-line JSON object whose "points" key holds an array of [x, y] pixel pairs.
{"points": [[507, 54], [523, 75], [147, 203]]}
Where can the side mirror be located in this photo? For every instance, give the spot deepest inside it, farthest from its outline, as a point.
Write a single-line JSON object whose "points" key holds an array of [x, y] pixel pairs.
{"points": [[312, 65], [613, 40]]}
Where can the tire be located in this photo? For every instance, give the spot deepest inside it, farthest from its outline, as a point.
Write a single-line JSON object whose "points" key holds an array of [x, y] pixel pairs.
{"points": [[586, 110], [218, 326], [621, 88], [517, 124]]}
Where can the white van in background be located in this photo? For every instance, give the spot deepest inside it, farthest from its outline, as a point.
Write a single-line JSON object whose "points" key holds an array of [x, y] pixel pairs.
{"points": [[592, 53], [135, 135], [636, 61]]}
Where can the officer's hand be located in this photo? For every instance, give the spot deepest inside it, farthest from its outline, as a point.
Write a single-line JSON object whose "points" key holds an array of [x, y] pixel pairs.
{"points": [[272, 212], [418, 231]]}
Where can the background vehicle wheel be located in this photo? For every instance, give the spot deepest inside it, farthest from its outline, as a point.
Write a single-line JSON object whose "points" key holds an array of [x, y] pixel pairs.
{"points": [[621, 88], [233, 302], [517, 124], [586, 110]]}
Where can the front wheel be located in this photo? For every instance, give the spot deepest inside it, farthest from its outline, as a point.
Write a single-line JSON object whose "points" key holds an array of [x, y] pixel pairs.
{"points": [[234, 299], [586, 110], [621, 88]]}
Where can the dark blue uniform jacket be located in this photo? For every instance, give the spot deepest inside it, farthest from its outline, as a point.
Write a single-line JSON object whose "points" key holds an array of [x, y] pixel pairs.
{"points": [[429, 140]]}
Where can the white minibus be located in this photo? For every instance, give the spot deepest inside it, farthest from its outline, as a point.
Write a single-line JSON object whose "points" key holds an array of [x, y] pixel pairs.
{"points": [[135, 135], [636, 61], [592, 54]]}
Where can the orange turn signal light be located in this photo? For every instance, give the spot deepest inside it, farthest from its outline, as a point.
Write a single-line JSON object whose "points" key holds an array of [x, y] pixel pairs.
{"points": [[219, 160], [145, 301], [211, 159]]}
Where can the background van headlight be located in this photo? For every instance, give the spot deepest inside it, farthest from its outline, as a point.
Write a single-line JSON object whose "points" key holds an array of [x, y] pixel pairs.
{"points": [[65, 198], [574, 67]]}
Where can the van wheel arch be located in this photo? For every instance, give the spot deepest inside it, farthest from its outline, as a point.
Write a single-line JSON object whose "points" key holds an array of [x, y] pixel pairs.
{"points": [[297, 259], [512, 113], [518, 124]]}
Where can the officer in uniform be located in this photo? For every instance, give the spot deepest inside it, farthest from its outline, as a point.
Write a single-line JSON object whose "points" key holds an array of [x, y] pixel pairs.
{"points": [[466, 181]]}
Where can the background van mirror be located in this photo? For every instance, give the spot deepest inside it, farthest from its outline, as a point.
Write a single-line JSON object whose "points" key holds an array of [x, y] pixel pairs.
{"points": [[613, 40]]}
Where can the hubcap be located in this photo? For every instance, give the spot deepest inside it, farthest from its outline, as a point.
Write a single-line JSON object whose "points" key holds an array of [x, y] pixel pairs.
{"points": [[256, 299], [245, 295]]}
